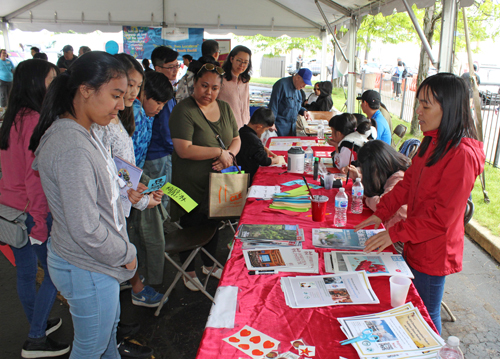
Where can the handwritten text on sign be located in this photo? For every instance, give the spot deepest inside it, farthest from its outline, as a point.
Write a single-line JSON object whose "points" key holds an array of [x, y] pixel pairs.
{"points": [[179, 196]]}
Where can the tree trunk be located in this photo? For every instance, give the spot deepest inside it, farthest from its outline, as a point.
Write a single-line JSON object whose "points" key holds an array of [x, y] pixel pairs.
{"points": [[423, 68], [367, 52]]}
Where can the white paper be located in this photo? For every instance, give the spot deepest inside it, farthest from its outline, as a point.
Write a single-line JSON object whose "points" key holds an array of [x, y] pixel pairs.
{"points": [[223, 309], [265, 192], [283, 259], [321, 291]]}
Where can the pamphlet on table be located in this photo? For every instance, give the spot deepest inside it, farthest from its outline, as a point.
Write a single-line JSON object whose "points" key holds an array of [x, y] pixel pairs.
{"points": [[401, 331], [130, 176], [274, 260], [270, 235], [342, 238], [264, 192], [327, 290], [383, 264]]}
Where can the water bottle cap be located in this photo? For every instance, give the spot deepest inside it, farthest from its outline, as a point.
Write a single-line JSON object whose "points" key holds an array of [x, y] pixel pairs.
{"points": [[453, 341], [358, 179], [341, 189]]}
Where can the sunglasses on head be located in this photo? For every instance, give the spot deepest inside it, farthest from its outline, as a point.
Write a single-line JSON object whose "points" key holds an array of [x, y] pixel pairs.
{"points": [[212, 67]]}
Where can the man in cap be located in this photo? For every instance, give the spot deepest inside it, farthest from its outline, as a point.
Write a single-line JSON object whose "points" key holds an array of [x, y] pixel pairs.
{"points": [[66, 59], [370, 105], [286, 101]]}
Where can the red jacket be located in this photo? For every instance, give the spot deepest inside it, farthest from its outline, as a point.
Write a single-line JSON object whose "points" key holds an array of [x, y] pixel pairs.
{"points": [[433, 232], [19, 182]]}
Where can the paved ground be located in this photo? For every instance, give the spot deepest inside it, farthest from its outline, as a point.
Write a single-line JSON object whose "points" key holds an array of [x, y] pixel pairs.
{"points": [[472, 296]]}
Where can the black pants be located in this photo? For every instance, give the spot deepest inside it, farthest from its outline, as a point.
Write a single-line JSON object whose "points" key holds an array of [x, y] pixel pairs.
{"points": [[4, 92], [199, 219]]}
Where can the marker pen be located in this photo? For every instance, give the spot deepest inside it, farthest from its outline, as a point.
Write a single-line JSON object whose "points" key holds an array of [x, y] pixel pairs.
{"points": [[253, 272]]}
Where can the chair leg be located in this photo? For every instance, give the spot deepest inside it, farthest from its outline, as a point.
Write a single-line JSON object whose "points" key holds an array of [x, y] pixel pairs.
{"points": [[448, 310], [212, 258]]}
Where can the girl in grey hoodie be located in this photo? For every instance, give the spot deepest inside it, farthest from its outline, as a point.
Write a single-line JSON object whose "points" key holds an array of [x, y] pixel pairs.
{"points": [[89, 253]]}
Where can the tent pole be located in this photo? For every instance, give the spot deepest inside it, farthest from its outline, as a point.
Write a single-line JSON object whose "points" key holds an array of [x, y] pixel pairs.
{"points": [[324, 47], [351, 78], [5, 31], [420, 33], [476, 99], [330, 29], [447, 35]]}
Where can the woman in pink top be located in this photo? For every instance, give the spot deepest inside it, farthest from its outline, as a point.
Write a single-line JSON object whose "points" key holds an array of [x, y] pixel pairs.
{"points": [[235, 88], [20, 188]]}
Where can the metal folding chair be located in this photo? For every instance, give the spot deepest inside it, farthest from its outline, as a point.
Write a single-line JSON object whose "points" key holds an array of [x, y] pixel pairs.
{"points": [[188, 239]]}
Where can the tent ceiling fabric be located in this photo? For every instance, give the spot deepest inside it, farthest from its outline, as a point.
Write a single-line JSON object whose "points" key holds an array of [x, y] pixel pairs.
{"points": [[266, 17]]}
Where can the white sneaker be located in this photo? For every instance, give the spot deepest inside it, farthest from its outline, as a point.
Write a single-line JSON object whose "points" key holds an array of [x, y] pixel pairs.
{"points": [[190, 285], [216, 273]]}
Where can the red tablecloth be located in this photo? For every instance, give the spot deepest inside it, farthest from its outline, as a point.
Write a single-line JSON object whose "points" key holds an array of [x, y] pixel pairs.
{"points": [[261, 302]]}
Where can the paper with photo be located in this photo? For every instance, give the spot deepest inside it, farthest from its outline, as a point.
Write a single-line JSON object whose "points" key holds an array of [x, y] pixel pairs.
{"points": [[334, 262], [156, 184], [321, 291], [342, 238], [398, 333], [252, 342], [283, 259], [130, 176], [383, 264]]}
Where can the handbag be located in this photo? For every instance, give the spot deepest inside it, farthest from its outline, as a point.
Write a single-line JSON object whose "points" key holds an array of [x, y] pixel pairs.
{"points": [[227, 194], [13, 230]]}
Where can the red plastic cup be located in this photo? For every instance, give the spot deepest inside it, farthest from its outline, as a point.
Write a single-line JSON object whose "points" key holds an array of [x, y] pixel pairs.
{"points": [[318, 205]]}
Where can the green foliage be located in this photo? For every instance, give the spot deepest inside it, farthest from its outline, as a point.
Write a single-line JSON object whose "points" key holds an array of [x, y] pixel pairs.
{"points": [[276, 46], [488, 214]]}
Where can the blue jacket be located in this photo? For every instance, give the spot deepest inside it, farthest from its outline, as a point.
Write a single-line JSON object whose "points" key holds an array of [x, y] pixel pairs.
{"points": [[161, 142], [383, 130], [286, 103]]}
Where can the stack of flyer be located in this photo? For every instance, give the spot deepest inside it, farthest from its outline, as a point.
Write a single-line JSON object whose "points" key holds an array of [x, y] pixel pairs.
{"points": [[270, 235], [402, 333], [383, 264], [274, 260], [327, 290], [342, 238]]}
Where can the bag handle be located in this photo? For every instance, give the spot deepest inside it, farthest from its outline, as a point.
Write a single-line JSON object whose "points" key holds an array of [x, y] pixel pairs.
{"points": [[234, 162]]}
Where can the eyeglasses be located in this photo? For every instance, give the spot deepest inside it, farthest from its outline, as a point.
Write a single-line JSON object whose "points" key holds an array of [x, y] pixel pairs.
{"points": [[212, 67], [241, 62], [171, 67]]}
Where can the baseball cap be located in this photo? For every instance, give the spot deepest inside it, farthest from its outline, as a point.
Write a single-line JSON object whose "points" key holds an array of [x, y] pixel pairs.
{"points": [[370, 96], [67, 48], [306, 75]]}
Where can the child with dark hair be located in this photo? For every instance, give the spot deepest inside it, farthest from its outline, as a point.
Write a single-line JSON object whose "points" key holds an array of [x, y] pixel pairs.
{"points": [[252, 152], [348, 137], [145, 228]]}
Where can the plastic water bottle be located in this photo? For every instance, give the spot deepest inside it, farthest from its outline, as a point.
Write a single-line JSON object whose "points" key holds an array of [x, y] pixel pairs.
{"points": [[357, 197], [321, 132], [308, 160], [341, 201], [451, 350]]}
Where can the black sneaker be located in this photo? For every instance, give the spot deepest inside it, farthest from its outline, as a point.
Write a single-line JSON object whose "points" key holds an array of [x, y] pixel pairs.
{"points": [[126, 330], [128, 349], [52, 325], [43, 348]]}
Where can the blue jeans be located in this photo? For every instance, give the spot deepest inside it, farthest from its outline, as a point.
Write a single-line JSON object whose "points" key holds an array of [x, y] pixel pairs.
{"points": [[157, 168], [431, 290], [36, 305], [94, 306]]}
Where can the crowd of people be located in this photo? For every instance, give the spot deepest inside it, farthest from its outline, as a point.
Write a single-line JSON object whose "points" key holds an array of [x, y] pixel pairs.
{"points": [[64, 124]]}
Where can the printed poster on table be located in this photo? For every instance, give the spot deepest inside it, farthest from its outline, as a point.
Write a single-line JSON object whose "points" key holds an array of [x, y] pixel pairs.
{"points": [[141, 41]]}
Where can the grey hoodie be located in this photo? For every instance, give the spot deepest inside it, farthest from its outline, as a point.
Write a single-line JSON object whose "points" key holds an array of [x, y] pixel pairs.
{"points": [[89, 229]]}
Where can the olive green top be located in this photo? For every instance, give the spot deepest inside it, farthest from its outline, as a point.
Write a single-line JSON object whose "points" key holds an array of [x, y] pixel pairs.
{"points": [[187, 122]]}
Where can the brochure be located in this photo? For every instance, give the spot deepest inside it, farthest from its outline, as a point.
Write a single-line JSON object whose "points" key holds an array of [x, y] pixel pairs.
{"points": [[383, 264], [327, 290], [290, 259], [283, 232], [130, 176], [342, 238], [402, 332], [265, 192]]}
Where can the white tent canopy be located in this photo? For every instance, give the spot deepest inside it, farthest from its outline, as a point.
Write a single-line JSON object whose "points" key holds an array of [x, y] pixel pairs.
{"points": [[296, 18]]}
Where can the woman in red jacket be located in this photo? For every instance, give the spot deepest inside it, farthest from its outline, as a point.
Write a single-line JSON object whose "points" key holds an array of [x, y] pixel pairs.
{"points": [[435, 188]]}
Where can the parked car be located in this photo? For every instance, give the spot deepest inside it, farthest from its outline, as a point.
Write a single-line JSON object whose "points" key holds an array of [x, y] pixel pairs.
{"points": [[313, 65]]}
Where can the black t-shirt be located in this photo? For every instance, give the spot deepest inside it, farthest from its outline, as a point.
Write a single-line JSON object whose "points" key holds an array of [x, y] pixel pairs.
{"points": [[252, 153], [62, 63]]}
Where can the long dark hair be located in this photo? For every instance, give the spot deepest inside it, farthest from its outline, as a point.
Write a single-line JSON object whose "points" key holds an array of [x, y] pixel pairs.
{"points": [[127, 114], [452, 94], [227, 66], [92, 69], [27, 94], [378, 162]]}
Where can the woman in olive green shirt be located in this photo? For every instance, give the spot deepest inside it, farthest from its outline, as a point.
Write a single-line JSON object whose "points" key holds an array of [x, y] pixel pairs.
{"points": [[197, 152]]}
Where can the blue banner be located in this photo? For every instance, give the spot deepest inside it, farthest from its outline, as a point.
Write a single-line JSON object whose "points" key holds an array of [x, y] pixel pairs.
{"points": [[141, 41]]}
